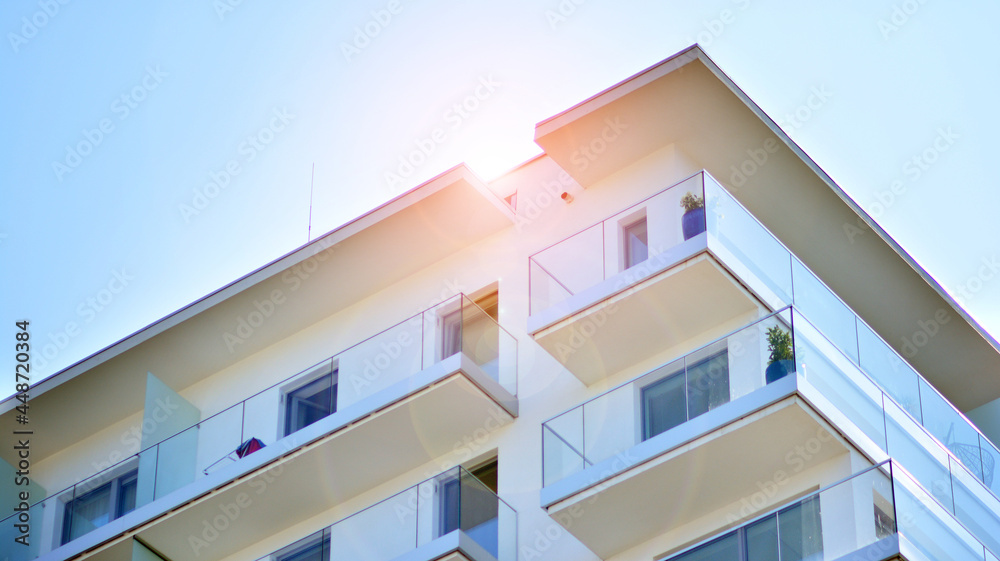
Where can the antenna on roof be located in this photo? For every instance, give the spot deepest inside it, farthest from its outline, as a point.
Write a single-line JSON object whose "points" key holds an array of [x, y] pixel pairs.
{"points": [[312, 177]]}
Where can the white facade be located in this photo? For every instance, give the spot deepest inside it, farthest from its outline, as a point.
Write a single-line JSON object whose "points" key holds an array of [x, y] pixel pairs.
{"points": [[622, 390]]}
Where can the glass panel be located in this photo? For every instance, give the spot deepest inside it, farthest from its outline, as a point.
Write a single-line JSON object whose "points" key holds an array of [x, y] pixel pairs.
{"points": [[762, 540], [840, 381], [891, 372], [175, 463], [630, 237], [749, 245], [707, 380], [567, 268], [831, 316], [926, 530], [948, 426], [379, 533], [830, 525], [664, 405], [220, 435], [611, 423], [562, 438], [480, 513], [481, 338], [313, 548], [918, 453], [991, 463], [726, 548], [508, 533], [801, 532], [89, 509], [975, 507], [559, 459]]}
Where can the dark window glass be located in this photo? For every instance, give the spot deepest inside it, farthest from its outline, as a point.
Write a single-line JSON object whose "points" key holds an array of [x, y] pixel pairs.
{"points": [[762, 540], [94, 508], [663, 405], [86, 512], [310, 403], [127, 487], [726, 548], [313, 548], [801, 532]]}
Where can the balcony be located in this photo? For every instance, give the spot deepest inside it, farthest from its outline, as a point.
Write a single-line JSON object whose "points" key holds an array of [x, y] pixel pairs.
{"points": [[451, 516], [365, 415], [877, 514], [654, 276], [614, 462]]}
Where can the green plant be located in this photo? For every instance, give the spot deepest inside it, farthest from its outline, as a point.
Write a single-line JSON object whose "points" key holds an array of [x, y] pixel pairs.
{"points": [[779, 344], [690, 202]]}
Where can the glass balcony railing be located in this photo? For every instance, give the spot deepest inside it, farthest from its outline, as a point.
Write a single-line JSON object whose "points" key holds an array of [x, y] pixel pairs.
{"points": [[641, 239], [739, 364], [765, 265], [358, 373], [875, 514], [779, 278], [453, 501]]}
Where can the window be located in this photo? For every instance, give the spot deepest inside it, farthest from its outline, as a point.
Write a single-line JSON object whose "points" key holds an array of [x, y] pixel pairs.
{"points": [[96, 507], [636, 248], [313, 548], [310, 402], [792, 534], [679, 397], [467, 501]]}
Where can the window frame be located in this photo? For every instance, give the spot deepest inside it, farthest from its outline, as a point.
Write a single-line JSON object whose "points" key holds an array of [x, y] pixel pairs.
{"points": [[673, 369], [625, 227], [327, 369], [113, 483]]}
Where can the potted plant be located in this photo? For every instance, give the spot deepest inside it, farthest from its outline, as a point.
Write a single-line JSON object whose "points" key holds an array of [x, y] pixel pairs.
{"points": [[693, 221], [782, 359]]}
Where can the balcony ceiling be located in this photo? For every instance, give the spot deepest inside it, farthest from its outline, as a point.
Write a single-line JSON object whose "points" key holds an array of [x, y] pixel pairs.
{"points": [[687, 100]]}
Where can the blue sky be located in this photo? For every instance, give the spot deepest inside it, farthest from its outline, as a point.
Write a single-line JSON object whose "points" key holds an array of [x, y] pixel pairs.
{"points": [[155, 153]]}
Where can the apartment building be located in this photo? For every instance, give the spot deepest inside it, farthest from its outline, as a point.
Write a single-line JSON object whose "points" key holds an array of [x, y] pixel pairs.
{"points": [[671, 336]]}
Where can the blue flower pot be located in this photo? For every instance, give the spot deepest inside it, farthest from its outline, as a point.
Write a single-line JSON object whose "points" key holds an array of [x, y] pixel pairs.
{"points": [[693, 222], [778, 370]]}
